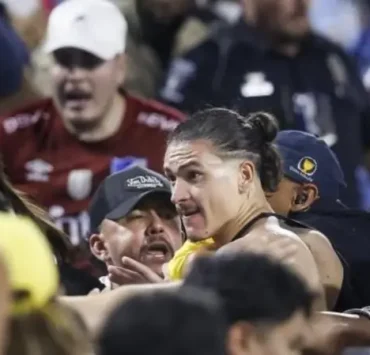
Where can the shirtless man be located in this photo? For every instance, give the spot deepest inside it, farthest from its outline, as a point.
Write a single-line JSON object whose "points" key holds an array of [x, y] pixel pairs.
{"points": [[220, 165]]}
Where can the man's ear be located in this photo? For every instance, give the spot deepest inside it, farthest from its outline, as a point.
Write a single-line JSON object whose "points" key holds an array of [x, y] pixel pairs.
{"points": [[97, 247], [239, 338], [246, 175], [305, 197]]}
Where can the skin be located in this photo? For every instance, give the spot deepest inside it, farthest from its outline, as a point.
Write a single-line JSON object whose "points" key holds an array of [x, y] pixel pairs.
{"points": [[95, 309], [330, 268], [332, 332], [135, 247], [286, 28], [85, 93], [216, 197], [286, 338]]}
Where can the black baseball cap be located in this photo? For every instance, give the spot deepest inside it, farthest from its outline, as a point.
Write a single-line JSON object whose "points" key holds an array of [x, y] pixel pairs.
{"points": [[119, 193]]}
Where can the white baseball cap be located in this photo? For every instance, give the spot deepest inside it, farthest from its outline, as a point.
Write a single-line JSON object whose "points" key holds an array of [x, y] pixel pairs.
{"points": [[95, 26]]}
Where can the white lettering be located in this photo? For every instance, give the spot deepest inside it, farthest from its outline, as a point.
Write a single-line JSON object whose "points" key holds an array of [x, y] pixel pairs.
{"points": [[155, 120], [76, 227], [22, 120]]}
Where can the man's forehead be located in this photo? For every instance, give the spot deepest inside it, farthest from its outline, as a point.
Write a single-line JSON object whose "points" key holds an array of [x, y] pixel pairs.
{"points": [[186, 154]]}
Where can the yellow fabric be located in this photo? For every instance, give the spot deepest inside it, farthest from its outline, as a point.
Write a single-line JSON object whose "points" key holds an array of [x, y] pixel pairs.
{"points": [[177, 263], [29, 262]]}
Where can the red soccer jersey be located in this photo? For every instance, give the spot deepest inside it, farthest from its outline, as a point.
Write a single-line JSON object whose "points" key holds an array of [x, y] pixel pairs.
{"points": [[61, 173]]}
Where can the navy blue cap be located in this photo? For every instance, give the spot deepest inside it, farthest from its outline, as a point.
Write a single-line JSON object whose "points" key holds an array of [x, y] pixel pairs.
{"points": [[119, 193], [308, 159]]}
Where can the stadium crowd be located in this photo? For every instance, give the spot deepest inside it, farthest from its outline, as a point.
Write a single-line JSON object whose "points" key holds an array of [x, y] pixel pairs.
{"points": [[184, 177]]}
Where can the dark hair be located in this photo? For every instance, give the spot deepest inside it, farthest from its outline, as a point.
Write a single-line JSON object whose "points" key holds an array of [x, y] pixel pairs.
{"points": [[236, 136], [252, 287], [189, 322], [11, 198]]}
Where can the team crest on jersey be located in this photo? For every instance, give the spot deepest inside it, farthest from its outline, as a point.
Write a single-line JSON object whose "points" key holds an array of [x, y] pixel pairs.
{"points": [[307, 166], [79, 183], [256, 84]]}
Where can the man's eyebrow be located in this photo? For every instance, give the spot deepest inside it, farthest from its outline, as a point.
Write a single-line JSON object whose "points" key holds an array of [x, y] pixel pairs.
{"points": [[189, 164]]}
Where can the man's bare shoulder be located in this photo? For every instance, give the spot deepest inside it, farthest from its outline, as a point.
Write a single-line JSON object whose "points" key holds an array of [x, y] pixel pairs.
{"points": [[274, 229]]}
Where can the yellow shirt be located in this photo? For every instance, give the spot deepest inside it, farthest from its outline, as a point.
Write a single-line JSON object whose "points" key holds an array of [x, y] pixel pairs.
{"points": [[178, 262]]}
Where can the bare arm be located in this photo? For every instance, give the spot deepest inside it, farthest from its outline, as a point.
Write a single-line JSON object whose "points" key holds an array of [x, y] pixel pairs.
{"points": [[305, 266], [333, 332], [328, 263], [95, 308], [284, 246]]}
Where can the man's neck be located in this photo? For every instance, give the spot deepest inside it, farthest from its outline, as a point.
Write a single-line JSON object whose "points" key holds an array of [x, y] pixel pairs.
{"points": [[288, 49], [248, 212], [109, 124]]}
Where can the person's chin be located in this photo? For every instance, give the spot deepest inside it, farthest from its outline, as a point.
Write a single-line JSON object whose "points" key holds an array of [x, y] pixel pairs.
{"points": [[196, 234], [80, 123]]}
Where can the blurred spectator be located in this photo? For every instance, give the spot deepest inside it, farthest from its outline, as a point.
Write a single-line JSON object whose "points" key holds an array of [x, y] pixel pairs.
{"points": [[360, 49], [338, 20], [29, 19], [309, 193], [89, 128], [39, 325], [189, 322], [268, 308], [15, 87], [274, 63], [159, 29], [73, 281], [135, 227], [12, 57]]}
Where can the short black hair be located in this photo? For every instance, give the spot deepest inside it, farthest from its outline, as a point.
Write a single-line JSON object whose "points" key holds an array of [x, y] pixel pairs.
{"points": [[236, 136], [252, 287], [189, 322]]}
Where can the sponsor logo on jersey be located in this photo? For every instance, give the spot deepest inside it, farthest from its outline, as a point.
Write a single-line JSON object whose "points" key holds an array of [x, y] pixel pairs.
{"points": [[38, 170], [157, 120], [79, 183], [22, 120], [256, 85], [76, 226], [179, 74]]}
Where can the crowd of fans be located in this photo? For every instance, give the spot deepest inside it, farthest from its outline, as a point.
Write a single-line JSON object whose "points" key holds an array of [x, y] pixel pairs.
{"points": [[184, 177]]}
